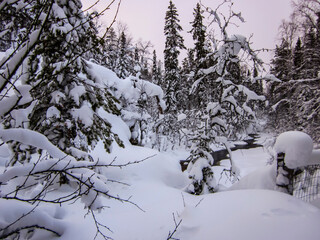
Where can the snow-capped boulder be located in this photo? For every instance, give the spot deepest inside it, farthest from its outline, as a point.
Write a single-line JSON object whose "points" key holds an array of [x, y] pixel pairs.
{"points": [[297, 147]]}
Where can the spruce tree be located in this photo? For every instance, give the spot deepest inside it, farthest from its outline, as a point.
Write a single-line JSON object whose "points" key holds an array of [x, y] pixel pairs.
{"points": [[123, 65], [199, 36], [309, 68], [174, 42], [281, 63], [110, 51], [203, 92], [297, 59], [65, 96], [155, 69]]}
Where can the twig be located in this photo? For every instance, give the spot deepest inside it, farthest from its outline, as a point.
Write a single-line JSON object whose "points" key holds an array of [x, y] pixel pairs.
{"points": [[170, 235], [99, 226], [184, 203], [199, 202]]}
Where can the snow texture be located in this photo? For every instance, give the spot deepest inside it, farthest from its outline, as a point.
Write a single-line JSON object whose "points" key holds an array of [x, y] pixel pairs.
{"points": [[297, 147]]}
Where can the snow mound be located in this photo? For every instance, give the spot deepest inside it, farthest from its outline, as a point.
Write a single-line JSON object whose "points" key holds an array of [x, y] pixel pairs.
{"points": [[250, 215], [262, 178], [297, 147]]}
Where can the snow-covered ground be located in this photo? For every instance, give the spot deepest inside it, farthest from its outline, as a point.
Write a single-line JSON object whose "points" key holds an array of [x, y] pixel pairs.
{"points": [[156, 187], [248, 210]]}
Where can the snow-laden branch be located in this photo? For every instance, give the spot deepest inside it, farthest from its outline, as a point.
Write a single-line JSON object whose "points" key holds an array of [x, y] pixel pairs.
{"points": [[31, 138]]}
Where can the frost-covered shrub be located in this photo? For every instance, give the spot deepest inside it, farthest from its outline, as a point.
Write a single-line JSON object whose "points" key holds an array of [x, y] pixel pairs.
{"points": [[201, 175]]}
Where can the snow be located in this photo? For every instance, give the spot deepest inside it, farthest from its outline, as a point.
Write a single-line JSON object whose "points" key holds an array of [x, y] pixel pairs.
{"points": [[53, 112], [32, 138], [76, 93], [181, 117], [256, 214], [297, 146], [247, 210], [11, 210], [249, 214], [157, 186], [83, 114], [130, 87]]}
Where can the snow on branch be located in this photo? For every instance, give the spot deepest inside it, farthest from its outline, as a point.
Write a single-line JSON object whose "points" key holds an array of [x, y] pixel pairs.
{"points": [[30, 183], [19, 218], [31, 138]]}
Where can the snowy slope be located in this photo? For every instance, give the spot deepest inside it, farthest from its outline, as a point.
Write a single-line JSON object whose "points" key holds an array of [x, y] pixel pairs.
{"points": [[155, 186]]}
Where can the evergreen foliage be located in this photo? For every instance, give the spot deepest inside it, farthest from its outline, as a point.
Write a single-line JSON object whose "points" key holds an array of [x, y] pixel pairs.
{"points": [[174, 42], [123, 63], [199, 36], [293, 100], [310, 56], [281, 63], [204, 93], [64, 96], [297, 59], [227, 113], [156, 71]]}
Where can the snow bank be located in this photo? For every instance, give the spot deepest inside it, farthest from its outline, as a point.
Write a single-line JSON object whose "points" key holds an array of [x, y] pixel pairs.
{"points": [[262, 178], [249, 215], [41, 217], [297, 147]]}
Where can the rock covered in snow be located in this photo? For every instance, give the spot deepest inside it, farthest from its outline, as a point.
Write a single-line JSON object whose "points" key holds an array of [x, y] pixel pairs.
{"points": [[297, 147]]}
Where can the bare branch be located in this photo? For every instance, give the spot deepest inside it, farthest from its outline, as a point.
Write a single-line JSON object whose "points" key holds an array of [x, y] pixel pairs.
{"points": [[170, 235]]}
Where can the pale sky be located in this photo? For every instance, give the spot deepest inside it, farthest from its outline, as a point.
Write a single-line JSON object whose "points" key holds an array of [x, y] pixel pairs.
{"points": [[145, 19]]}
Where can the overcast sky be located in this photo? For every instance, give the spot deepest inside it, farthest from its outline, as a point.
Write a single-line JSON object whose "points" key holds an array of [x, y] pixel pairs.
{"points": [[145, 19]]}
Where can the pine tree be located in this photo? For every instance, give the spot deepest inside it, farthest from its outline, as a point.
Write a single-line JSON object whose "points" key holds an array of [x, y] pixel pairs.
{"points": [[156, 75], [66, 96], [199, 36], [174, 42], [123, 65], [281, 63], [309, 65], [297, 59], [110, 51], [202, 94]]}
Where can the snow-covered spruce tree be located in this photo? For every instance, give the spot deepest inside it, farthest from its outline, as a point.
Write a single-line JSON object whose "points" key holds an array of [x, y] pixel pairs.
{"points": [[187, 101], [174, 42], [65, 97], [199, 36], [205, 90], [109, 50], [172, 82], [297, 59], [124, 60], [49, 92], [156, 72], [281, 63], [310, 65], [231, 116]]}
